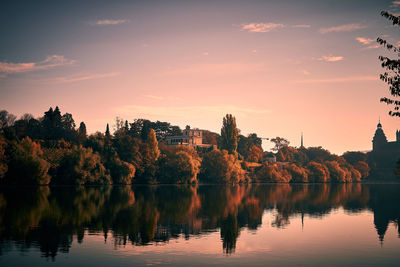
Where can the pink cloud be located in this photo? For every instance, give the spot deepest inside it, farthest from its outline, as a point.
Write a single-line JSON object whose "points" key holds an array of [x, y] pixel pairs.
{"points": [[82, 77], [50, 62], [261, 27], [330, 58], [342, 28], [372, 47], [365, 41]]}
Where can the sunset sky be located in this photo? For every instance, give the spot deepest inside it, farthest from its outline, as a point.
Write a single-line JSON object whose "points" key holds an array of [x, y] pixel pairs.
{"points": [[281, 67]]}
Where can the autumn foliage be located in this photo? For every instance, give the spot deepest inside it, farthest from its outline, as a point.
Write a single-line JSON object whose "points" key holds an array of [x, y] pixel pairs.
{"points": [[50, 150]]}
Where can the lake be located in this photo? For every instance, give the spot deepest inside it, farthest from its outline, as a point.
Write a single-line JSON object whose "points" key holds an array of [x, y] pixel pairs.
{"points": [[242, 225]]}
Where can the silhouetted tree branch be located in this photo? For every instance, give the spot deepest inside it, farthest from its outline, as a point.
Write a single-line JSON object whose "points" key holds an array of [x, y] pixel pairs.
{"points": [[391, 76]]}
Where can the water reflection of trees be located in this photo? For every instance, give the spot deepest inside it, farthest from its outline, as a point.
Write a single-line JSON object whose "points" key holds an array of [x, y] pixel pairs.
{"points": [[51, 218]]}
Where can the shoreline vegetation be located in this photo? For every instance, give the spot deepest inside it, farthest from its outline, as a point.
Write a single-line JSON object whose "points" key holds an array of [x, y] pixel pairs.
{"points": [[51, 150]]}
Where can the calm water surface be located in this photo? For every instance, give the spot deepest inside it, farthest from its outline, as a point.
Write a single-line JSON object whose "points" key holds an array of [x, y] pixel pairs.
{"points": [[246, 225]]}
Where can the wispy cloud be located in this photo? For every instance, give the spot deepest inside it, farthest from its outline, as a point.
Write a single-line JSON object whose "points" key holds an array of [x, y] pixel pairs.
{"points": [[301, 26], [155, 97], [111, 21], [82, 77], [330, 58], [371, 47], [261, 27], [216, 69], [188, 112], [50, 62], [340, 79], [365, 41], [342, 28]]}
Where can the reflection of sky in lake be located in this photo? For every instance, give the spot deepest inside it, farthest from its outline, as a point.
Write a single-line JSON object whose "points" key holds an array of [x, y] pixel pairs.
{"points": [[339, 238], [310, 225]]}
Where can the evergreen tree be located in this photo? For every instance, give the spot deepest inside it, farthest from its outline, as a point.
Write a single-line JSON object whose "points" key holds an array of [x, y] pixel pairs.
{"points": [[82, 134], [145, 129], [57, 118], [51, 124], [126, 126], [68, 122], [229, 134], [108, 135], [82, 129], [48, 119]]}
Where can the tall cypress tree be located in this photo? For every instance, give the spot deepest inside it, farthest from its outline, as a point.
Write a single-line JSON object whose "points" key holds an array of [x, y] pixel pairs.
{"points": [[229, 134], [153, 144]]}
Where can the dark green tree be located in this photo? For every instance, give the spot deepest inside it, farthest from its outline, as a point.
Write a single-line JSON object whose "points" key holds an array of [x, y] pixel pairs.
{"points": [[6, 119], [108, 135], [81, 166], [280, 143], [178, 164], [220, 167], [3, 159], [26, 164], [56, 126], [318, 154], [141, 127], [353, 157], [229, 134], [121, 172], [246, 143], [82, 134], [68, 122], [126, 126]]}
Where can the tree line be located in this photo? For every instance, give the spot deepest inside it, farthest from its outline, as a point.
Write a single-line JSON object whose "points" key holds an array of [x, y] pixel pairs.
{"points": [[52, 150]]}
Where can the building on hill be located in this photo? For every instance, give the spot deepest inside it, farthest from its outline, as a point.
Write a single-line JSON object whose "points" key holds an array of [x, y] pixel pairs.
{"points": [[190, 137], [384, 154]]}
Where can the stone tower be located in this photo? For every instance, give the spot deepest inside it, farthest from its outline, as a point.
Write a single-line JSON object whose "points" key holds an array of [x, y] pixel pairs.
{"points": [[379, 140]]}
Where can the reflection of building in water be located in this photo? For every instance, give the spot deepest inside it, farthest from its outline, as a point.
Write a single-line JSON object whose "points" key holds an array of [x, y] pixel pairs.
{"points": [[384, 154], [383, 202], [190, 137]]}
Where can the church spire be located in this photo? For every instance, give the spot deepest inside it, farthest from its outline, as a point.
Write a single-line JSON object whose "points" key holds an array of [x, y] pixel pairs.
{"points": [[301, 140]]}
